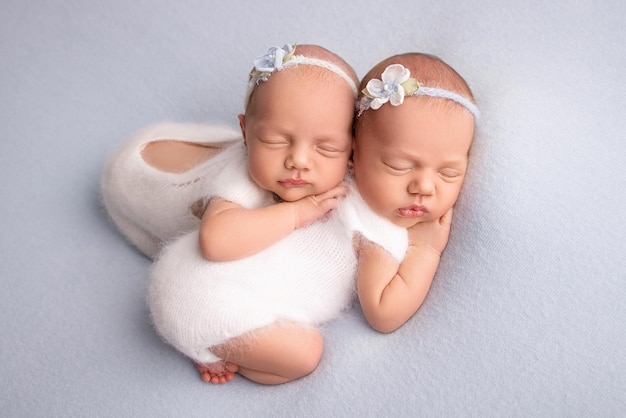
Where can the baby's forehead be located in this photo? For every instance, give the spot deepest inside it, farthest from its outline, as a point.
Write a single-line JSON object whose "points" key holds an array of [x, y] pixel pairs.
{"points": [[304, 84], [308, 77], [413, 143]]}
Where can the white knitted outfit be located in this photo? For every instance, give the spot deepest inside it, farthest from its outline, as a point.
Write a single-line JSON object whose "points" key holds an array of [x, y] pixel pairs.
{"points": [[150, 206], [307, 277], [358, 218]]}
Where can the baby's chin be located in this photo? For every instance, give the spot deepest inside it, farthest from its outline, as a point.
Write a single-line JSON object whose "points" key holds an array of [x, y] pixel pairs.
{"points": [[289, 196], [406, 222], [409, 221]]}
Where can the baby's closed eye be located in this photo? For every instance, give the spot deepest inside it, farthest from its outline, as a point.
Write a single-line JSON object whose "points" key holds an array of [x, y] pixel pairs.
{"points": [[330, 149], [398, 167], [450, 174]]}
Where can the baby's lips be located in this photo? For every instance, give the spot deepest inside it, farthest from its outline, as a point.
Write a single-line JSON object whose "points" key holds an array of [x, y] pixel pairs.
{"points": [[414, 211]]}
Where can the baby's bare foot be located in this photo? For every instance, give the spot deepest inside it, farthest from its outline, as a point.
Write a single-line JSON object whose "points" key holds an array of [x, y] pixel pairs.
{"points": [[218, 372]]}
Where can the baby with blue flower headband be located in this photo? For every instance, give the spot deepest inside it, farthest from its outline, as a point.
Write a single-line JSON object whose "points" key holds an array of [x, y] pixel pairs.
{"points": [[245, 291], [243, 288]]}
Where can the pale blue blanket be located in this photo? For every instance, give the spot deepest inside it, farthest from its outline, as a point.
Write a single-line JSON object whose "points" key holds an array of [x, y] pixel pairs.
{"points": [[526, 314]]}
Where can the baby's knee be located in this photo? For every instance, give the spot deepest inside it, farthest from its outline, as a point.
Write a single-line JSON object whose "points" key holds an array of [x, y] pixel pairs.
{"points": [[311, 355]]}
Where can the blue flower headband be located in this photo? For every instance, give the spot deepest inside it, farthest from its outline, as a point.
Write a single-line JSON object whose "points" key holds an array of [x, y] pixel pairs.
{"points": [[396, 84], [277, 59]]}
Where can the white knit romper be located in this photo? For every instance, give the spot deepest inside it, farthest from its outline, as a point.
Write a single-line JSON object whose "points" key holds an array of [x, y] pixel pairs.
{"points": [[307, 277], [149, 206]]}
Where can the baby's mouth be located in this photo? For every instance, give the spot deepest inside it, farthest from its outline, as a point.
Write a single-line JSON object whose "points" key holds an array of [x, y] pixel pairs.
{"points": [[413, 211], [288, 183]]}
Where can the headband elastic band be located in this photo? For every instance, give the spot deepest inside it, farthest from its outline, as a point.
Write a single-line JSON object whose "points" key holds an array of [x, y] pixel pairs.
{"points": [[302, 60], [446, 94], [396, 84]]}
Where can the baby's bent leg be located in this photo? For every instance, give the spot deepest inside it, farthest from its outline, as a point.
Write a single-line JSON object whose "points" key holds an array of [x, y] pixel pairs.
{"points": [[275, 354]]}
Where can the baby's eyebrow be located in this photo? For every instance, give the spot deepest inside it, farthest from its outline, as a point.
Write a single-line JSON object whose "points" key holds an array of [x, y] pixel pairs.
{"points": [[455, 161]]}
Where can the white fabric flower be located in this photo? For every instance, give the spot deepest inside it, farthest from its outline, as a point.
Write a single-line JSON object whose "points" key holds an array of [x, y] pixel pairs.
{"points": [[390, 89], [272, 60]]}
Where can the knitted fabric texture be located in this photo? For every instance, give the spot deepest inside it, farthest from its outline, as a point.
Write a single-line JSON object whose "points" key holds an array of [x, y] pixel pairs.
{"points": [[358, 217], [150, 206], [307, 277]]}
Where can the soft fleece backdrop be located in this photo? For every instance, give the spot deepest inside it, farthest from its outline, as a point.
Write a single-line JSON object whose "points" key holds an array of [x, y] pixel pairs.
{"points": [[526, 314]]}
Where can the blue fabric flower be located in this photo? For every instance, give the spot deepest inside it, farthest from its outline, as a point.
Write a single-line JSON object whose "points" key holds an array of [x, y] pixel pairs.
{"points": [[273, 59], [390, 88]]}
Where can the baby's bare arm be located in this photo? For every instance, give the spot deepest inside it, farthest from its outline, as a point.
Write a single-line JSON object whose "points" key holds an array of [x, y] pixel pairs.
{"points": [[390, 293], [229, 231]]}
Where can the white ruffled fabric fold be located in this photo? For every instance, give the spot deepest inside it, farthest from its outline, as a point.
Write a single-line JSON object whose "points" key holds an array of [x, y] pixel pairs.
{"points": [[151, 207]]}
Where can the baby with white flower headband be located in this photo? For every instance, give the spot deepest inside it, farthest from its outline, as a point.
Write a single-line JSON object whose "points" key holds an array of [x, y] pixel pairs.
{"points": [[415, 125]]}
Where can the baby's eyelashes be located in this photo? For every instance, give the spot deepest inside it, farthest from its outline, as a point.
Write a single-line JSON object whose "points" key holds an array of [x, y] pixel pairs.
{"points": [[450, 174], [397, 169], [331, 150], [274, 142]]}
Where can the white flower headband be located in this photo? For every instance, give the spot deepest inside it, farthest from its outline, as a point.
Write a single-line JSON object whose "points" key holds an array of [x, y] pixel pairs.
{"points": [[277, 59], [396, 84]]}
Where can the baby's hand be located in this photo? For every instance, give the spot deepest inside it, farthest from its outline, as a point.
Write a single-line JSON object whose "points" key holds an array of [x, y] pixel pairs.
{"points": [[433, 234], [312, 208]]}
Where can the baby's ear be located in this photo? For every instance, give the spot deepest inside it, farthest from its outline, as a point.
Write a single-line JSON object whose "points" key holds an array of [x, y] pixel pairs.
{"points": [[242, 126]]}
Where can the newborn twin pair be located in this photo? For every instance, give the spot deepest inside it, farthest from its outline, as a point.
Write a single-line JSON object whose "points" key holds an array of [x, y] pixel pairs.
{"points": [[329, 192]]}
